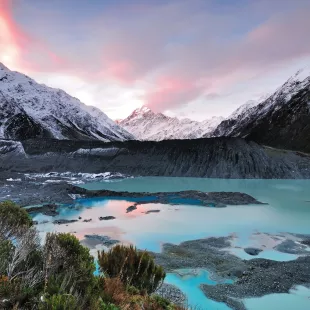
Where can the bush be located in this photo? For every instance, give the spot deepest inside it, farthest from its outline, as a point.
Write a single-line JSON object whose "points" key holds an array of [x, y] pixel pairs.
{"points": [[69, 267], [133, 267], [66, 252], [162, 302], [13, 293], [14, 220], [6, 250], [59, 275], [60, 302], [132, 290], [108, 306]]}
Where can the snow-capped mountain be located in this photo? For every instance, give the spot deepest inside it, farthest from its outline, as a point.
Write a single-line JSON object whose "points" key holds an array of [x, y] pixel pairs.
{"points": [[144, 124], [282, 120], [32, 110]]}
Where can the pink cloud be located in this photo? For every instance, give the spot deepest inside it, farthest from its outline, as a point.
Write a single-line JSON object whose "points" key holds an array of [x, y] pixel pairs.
{"points": [[179, 49], [278, 41], [25, 52], [120, 70], [171, 91]]}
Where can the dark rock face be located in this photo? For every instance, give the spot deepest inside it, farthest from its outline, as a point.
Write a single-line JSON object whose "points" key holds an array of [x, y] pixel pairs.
{"points": [[105, 240], [288, 127], [152, 211], [275, 122], [214, 157], [306, 242], [63, 221], [291, 247], [22, 127], [48, 209], [252, 251], [106, 218], [131, 208]]}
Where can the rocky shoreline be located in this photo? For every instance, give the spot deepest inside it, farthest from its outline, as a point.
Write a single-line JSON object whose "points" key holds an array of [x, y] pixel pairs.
{"points": [[171, 293], [45, 197], [206, 199], [251, 278]]}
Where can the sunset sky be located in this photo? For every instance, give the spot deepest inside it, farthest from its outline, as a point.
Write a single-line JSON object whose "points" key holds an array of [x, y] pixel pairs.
{"points": [[188, 58]]}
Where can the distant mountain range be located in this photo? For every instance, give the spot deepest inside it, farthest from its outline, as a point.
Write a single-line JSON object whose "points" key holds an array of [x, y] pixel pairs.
{"points": [[29, 110], [32, 110], [280, 120], [144, 124]]}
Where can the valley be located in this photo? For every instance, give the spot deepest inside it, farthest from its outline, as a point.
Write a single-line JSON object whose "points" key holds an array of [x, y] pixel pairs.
{"points": [[221, 205]]}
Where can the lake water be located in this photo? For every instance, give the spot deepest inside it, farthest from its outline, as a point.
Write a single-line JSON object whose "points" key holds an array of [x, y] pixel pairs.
{"points": [[287, 211]]}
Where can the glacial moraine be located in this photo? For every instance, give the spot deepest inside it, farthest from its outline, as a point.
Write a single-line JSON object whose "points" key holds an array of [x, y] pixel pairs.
{"points": [[252, 278]]}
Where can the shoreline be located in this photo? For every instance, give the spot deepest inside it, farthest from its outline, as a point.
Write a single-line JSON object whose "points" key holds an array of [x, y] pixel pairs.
{"points": [[212, 255]]}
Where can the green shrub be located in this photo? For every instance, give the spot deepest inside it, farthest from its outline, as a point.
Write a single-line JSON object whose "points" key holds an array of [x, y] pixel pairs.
{"points": [[163, 303], [15, 293], [6, 250], [60, 302], [13, 219], [69, 267], [108, 306], [132, 290], [133, 267], [59, 275]]}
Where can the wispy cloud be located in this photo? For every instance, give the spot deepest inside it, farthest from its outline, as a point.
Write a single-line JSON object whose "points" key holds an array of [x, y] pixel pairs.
{"points": [[166, 54]]}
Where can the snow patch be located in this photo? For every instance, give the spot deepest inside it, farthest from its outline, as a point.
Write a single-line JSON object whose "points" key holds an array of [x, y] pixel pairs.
{"points": [[14, 180], [97, 151], [75, 196], [75, 178]]}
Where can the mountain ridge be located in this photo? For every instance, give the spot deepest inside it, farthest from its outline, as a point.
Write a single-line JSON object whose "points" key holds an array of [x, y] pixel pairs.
{"points": [[147, 125], [223, 157], [281, 121], [33, 110]]}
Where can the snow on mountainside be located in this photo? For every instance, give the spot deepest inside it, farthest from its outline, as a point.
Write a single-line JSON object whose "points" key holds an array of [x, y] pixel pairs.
{"points": [[32, 110], [240, 122], [144, 124], [281, 121]]}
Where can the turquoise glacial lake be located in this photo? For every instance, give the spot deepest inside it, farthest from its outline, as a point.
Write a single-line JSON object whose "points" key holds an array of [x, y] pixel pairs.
{"points": [[287, 211]]}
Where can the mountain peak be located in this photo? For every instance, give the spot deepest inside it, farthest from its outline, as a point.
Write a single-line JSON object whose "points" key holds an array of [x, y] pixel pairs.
{"points": [[145, 124], [3, 67], [302, 74], [144, 109], [140, 112]]}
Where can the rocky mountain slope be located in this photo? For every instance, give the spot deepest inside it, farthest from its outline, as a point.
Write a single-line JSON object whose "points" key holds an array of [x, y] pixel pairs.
{"points": [[213, 157], [32, 110], [282, 120], [144, 124]]}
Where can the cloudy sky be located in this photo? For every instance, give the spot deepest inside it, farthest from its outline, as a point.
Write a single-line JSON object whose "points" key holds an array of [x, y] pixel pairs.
{"points": [[189, 58]]}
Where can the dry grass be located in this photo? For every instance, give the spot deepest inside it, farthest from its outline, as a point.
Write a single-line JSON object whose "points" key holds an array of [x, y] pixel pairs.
{"points": [[115, 292]]}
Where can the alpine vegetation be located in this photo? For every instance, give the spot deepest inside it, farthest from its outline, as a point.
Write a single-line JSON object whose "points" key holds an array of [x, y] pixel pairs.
{"points": [[60, 273]]}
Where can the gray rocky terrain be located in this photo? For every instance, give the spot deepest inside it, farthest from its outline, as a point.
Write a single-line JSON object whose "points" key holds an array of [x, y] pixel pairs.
{"points": [[213, 158], [251, 278]]}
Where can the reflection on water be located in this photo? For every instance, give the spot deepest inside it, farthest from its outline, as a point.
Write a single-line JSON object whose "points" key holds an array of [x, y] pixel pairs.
{"points": [[288, 210]]}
